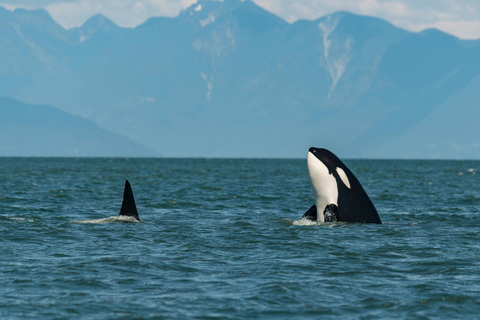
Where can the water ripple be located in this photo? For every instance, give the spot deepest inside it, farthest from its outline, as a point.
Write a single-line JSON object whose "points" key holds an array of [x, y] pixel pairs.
{"points": [[222, 239]]}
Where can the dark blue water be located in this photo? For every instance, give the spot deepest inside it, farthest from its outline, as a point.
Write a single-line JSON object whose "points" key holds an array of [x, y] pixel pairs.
{"points": [[220, 240]]}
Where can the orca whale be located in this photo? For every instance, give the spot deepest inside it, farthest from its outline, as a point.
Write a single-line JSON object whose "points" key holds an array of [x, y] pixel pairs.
{"points": [[129, 209], [339, 196]]}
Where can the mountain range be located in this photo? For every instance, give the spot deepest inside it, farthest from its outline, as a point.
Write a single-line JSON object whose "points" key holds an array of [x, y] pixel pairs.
{"points": [[230, 79], [45, 131]]}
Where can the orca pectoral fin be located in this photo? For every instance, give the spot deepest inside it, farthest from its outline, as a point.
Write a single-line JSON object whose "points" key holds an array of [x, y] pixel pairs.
{"points": [[129, 208], [311, 214]]}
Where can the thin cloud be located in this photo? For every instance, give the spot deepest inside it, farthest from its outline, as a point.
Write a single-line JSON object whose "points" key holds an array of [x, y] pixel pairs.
{"points": [[32, 3], [74, 14], [460, 18], [126, 13]]}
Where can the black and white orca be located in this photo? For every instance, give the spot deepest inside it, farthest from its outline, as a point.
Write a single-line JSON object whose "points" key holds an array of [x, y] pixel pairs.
{"points": [[129, 209], [339, 196]]}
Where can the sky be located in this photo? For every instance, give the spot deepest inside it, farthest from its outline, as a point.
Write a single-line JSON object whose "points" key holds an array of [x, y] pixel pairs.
{"points": [[457, 17]]}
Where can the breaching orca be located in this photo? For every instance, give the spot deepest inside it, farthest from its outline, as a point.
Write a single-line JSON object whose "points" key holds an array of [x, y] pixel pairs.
{"points": [[339, 196], [129, 209]]}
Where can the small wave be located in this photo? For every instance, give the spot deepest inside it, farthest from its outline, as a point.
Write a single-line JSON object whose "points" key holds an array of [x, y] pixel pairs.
{"points": [[19, 219], [108, 220], [471, 171]]}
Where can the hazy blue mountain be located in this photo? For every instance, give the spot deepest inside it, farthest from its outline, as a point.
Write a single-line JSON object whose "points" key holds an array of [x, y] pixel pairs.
{"points": [[96, 33], [36, 130], [415, 77], [451, 130], [231, 79], [37, 53], [34, 52]]}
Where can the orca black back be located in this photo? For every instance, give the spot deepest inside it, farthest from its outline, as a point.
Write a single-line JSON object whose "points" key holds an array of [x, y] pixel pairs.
{"points": [[129, 208], [354, 204]]}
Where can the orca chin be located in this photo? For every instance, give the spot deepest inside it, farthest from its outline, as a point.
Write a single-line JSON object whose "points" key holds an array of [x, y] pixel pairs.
{"points": [[339, 196], [129, 209]]}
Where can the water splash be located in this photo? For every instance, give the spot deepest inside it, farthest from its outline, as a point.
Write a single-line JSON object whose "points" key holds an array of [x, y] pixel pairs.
{"points": [[108, 220]]}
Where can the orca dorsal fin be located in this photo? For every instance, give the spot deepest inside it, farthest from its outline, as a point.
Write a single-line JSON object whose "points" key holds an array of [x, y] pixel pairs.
{"points": [[129, 208]]}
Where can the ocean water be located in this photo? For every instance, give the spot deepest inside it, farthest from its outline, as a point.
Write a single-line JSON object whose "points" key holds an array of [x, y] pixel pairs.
{"points": [[220, 239]]}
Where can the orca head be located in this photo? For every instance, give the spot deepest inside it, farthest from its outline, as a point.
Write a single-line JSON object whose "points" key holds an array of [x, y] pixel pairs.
{"points": [[325, 169]]}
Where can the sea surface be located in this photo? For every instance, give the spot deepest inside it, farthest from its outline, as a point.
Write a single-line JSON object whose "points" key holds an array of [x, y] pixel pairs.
{"points": [[220, 239]]}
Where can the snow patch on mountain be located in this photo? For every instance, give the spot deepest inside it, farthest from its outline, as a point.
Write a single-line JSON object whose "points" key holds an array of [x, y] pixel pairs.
{"points": [[336, 62], [207, 21]]}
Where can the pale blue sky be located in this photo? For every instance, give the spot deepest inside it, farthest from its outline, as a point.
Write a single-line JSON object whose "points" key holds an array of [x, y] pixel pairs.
{"points": [[460, 18]]}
